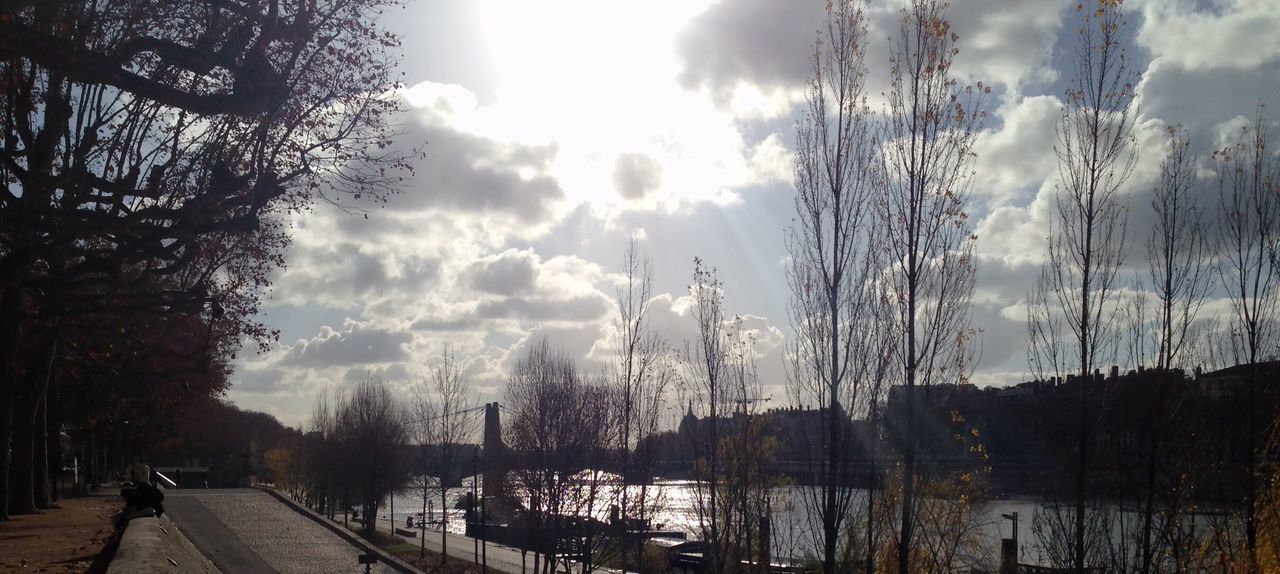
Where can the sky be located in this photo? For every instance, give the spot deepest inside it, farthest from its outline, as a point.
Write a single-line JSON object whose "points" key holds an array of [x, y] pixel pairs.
{"points": [[556, 132]]}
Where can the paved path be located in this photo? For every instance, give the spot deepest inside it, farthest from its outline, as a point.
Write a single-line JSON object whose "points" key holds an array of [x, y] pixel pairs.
{"points": [[250, 531], [502, 558]]}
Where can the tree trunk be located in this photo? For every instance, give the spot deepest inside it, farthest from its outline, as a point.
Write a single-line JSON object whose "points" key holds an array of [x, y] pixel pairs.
{"points": [[1078, 554], [6, 426], [1148, 512], [422, 549], [26, 403], [908, 477], [444, 516], [871, 521], [21, 486], [908, 497], [41, 468], [830, 520], [53, 440], [10, 338], [1251, 494]]}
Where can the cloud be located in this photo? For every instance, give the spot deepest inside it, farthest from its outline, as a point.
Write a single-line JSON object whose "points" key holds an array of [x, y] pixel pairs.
{"points": [[543, 161], [635, 175], [576, 308], [1228, 34], [762, 42], [755, 49], [1016, 156], [1203, 100], [347, 275], [446, 325], [1006, 43], [506, 273], [472, 173], [999, 311], [355, 344]]}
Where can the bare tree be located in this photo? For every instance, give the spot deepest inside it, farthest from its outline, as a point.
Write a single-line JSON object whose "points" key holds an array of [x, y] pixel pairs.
{"points": [[371, 433], [559, 431], [320, 429], [443, 420], [833, 244], [728, 443], [1177, 251], [747, 494], [1180, 269], [1249, 217], [707, 380], [929, 130], [1096, 154], [641, 376]]}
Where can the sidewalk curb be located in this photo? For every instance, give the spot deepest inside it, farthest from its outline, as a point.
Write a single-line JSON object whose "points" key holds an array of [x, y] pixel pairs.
{"points": [[384, 557]]}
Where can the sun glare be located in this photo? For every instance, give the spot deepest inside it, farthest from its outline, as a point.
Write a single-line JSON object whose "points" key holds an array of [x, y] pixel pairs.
{"points": [[600, 79]]}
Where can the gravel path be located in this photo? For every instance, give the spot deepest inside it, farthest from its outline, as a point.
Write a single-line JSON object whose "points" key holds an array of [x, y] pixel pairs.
{"points": [[247, 530]]}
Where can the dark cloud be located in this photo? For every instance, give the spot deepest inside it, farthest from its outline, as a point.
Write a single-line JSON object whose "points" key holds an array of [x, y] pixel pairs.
{"points": [[635, 175], [344, 274], [586, 307], [1007, 281], [356, 344], [508, 273], [474, 174], [395, 372], [764, 42], [1202, 100], [1004, 42], [997, 310], [446, 325]]}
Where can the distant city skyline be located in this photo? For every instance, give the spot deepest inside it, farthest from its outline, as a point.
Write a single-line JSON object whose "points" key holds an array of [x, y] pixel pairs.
{"points": [[555, 132]]}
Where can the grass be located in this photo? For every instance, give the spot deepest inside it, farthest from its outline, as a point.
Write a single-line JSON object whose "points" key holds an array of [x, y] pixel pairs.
{"points": [[430, 562]]}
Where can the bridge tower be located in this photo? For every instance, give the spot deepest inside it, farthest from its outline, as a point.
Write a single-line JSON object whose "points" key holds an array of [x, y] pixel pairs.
{"points": [[494, 453]]}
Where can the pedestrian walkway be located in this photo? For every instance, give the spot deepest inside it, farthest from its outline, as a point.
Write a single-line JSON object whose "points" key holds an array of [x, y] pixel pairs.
{"points": [[250, 531], [499, 557]]}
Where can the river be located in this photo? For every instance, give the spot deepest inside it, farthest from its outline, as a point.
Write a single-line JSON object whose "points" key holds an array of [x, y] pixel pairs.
{"points": [[676, 510]]}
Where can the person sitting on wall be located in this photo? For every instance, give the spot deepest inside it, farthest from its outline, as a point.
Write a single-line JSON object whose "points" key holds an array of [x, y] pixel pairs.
{"points": [[141, 499]]}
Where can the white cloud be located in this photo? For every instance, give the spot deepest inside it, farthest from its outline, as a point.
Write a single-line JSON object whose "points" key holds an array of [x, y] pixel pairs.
{"points": [[1232, 34], [1017, 156]]}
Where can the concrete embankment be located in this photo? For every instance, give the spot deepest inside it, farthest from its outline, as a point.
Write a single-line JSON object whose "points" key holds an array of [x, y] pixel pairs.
{"points": [[155, 545]]}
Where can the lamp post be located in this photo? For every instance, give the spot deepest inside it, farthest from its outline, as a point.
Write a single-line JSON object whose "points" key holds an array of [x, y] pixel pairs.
{"points": [[484, 536]]}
